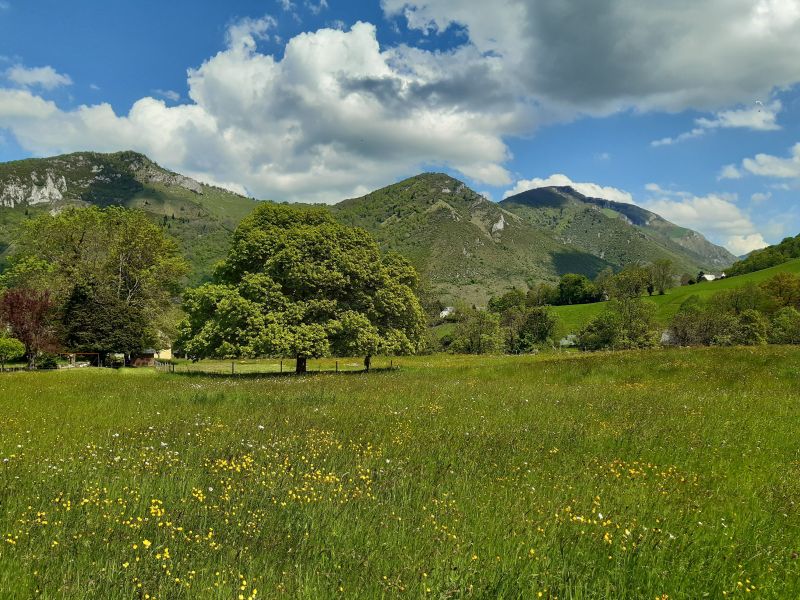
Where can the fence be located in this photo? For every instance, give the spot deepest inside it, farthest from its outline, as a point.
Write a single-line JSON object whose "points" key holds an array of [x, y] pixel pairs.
{"points": [[273, 367]]}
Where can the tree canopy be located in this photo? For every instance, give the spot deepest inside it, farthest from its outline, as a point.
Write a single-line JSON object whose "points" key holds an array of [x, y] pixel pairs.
{"points": [[112, 275], [298, 284]]}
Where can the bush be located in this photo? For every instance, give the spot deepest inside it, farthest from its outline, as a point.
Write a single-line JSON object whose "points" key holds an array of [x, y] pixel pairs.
{"points": [[527, 328], [478, 333], [626, 324], [47, 361], [785, 327]]}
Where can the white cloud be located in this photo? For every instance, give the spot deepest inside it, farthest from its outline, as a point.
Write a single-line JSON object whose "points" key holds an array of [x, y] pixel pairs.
{"points": [[761, 196], [599, 57], [44, 77], [744, 244], [4, 5], [335, 115], [592, 190], [730, 172], [170, 95], [317, 7], [767, 165], [716, 215], [757, 118]]}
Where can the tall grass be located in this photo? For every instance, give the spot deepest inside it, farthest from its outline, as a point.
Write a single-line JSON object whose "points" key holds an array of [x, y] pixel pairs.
{"points": [[663, 474]]}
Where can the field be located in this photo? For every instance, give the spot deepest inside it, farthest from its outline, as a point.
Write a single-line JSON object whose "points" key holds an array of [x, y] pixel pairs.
{"points": [[661, 474], [572, 318]]}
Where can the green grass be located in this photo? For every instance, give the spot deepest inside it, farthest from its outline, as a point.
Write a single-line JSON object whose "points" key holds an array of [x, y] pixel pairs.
{"points": [[572, 318], [454, 477]]}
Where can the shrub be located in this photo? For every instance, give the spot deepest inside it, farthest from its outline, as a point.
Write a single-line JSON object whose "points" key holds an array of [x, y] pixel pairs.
{"points": [[785, 327], [628, 323]]}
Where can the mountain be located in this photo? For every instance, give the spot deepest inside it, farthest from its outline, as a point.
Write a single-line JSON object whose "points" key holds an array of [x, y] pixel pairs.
{"points": [[198, 216], [614, 231], [465, 246]]}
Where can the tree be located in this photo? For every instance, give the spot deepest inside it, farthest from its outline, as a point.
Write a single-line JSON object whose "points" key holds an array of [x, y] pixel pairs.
{"points": [[112, 272], [662, 275], [631, 282], [513, 298], [10, 348], [478, 333], [297, 283], [784, 288], [542, 294], [603, 282], [785, 326], [576, 289], [95, 322], [525, 328], [628, 323], [29, 315]]}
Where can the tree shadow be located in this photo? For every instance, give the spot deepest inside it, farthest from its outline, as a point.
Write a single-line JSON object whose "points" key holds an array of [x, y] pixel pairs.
{"points": [[274, 375]]}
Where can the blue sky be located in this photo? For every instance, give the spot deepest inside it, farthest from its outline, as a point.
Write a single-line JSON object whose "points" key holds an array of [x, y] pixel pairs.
{"points": [[691, 110]]}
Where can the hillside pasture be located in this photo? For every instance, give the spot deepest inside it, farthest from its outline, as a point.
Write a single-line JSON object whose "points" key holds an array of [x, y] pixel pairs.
{"points": [[573, 317], [659, 474]]}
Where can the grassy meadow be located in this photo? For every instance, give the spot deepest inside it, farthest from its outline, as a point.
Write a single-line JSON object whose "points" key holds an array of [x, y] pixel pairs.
{"points": [[572, 318], [661, 474]]}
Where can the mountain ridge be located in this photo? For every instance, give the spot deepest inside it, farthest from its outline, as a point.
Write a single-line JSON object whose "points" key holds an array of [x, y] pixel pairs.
{"points": [[464, 245]]}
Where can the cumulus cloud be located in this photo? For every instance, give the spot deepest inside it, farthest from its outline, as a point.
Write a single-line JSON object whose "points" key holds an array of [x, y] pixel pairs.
{"points": [[716, 215], [335, 114], [767, 165], [744, 244], [757, 118], [598, 57], [43, 77], [592, 190]]}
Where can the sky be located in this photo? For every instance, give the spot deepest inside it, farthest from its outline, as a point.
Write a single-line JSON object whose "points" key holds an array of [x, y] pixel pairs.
{"points": [[690, 109]]}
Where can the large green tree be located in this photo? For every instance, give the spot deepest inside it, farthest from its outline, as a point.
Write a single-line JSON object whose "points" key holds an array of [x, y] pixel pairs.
{"points": [[298, 284], [113, 275]]}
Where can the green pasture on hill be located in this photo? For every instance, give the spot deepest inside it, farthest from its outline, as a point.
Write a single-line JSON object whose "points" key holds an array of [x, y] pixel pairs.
{"points": [[573, 317], [632, 475]]}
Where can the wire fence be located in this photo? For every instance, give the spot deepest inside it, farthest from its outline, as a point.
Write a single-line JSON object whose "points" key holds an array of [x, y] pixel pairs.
{"points": [[273, 367]]}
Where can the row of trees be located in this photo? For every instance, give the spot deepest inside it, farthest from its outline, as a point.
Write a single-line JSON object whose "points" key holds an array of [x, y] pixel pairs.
{"points": [[517, 329], [631, 282], [748, 315], [91, 280], [295, 284]]}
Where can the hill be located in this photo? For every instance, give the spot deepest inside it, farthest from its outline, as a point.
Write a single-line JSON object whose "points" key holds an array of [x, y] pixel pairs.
{"points": [[572, 318], [767, 257], [616, 232], [198, 216], [464, 245]]}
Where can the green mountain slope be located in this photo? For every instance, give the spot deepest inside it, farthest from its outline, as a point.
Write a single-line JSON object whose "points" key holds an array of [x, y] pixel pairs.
{"points": [[199, 217], [572, 318], [616, 232], [770, 256], [464, 245]]}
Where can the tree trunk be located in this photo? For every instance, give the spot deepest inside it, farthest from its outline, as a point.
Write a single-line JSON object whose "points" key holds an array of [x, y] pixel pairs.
{"points": [[300, 367], [367, 362]]}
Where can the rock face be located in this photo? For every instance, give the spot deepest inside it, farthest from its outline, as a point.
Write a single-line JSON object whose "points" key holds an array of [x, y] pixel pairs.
{"points": [[84, 177], [47, 188]]}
